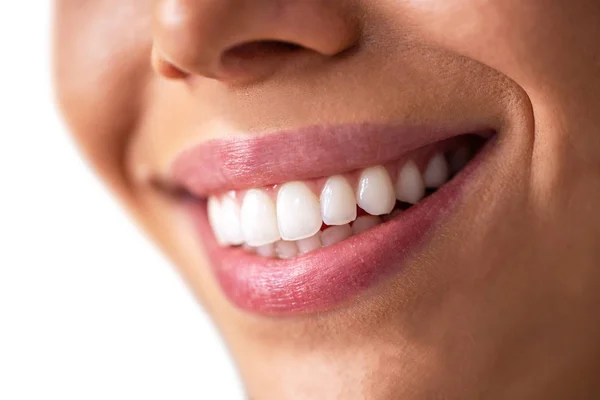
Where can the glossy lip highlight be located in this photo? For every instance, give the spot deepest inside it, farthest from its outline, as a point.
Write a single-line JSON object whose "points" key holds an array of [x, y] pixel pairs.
{"points": [[326, 277]]}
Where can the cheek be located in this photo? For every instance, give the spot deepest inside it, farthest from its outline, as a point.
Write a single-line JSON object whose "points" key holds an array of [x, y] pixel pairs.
{"points": [[525, 40], [550, 48], [102, 51]]}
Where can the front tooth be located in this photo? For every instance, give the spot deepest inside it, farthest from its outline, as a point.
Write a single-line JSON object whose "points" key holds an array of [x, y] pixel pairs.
{"points": [[258, 218], [309, 244], [410, 187], [298, 211], [215, 219], [375, 192], [437, 172], [285, 249], [364, 223], [338, 204], [230, 215], [335, 234]]}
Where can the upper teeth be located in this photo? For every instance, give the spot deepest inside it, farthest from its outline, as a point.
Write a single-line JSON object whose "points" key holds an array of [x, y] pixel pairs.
{"points": [[268, 222], [338, 203], [298, 211], [375, 191], [410, 187], [257, 218], [437, 171]]}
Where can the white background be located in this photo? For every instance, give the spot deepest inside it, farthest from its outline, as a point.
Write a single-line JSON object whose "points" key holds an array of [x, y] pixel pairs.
{"points": [[88, 308]]}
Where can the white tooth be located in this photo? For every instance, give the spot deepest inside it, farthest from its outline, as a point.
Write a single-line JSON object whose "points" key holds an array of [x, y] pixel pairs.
{"points": [[215, 219], [266, 250], [258, 217], [285, 249], [375, 192], [298, 211], [338, 204], [410, 187], [335, 234], [437, 172], [364, 223], [309, 244], [460, 158], [230, 217], [249, 248]]}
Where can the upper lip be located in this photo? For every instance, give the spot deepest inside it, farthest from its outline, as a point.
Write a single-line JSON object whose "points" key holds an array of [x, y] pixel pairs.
{"points": [[256, 161]]}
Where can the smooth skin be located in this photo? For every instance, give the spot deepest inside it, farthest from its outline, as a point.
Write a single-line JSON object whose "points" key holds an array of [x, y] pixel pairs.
{"points": [[503, 304]]}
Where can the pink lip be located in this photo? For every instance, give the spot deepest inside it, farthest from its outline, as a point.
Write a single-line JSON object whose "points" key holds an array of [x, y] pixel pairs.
{"points": [[313, 152], [324, 278]]}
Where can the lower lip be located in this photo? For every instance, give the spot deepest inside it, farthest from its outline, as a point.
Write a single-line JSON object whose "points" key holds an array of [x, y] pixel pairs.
{"points": [[324, 278]]}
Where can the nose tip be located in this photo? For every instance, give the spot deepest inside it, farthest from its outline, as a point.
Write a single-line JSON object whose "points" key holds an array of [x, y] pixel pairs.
{"points": [[240, 40]]}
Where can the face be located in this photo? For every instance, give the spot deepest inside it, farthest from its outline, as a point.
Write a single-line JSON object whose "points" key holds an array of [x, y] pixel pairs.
{"points": [[373, 199]]}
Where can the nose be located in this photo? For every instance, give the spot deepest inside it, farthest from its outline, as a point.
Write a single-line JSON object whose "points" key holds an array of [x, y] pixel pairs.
{"points": [[243, 40]]}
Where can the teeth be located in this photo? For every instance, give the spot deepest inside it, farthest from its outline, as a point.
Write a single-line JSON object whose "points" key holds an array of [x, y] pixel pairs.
{"points": [[285, 249], [309, 244], [460, 158], [215, 219], [410, 187], [230, 217], [291, 225], [391, 215], [335, 234], [298, 211], [338, 204], [248, 248], [437, 172], [365, 223], [266, 250], [258, 218], [375, 192]]}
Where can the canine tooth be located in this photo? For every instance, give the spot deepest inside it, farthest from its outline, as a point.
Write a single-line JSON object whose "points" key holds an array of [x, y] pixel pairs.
{"points": [[266, 250], [437, 172], [215, 219], [459, 158], [230, 217], [258, 218], [375, 192], [338, 203], [298, 211], [285, 249], [410, 187], [364, 223], [335, 234], [309, 244]]}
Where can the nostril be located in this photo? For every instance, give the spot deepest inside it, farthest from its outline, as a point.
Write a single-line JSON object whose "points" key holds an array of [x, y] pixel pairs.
{"points": [[263, 48], [257, 59]]}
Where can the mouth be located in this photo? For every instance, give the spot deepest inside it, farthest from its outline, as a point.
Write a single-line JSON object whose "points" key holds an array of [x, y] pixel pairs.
{"points": [[297, 222]]}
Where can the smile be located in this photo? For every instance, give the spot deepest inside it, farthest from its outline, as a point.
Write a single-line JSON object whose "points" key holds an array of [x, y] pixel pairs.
{"points": [[300, 221]]}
